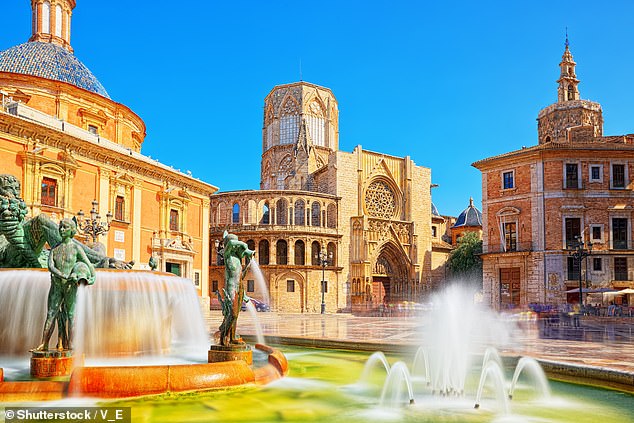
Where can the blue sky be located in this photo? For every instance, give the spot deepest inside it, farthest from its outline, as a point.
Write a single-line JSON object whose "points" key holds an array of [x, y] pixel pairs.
{"points": [[446, 83]]}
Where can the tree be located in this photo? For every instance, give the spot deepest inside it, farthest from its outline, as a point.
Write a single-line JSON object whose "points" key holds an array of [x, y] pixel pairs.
{"points": [[465, 262]]}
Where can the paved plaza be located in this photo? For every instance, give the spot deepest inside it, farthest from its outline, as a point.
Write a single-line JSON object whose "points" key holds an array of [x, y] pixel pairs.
{"points": [[605, 343]]}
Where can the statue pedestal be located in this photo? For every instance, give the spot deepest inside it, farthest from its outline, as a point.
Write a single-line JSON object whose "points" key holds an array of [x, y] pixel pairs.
{"points": [[235, 352], [51, 363]]}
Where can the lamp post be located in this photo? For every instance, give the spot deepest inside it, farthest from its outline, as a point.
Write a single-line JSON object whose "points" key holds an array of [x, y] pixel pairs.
{"points": [[323, 259], [579, 252], [93, 225]]}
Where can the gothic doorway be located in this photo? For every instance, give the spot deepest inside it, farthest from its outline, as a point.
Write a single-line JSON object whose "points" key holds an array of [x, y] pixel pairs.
{"points": [[390, 282]]}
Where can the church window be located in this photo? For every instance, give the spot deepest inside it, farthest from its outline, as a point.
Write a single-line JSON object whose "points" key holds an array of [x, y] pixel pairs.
{"points": [[46, 17], [332, 254], [316, 124], [571, 92], [315, 249], [263, 252], [119, 208], [281, 250], [289, 122], [281, 212], [380, 200], [300, 219], [49, 192], [265, 215], [174, 221], [58, 21], [300, 253], [315, 214]]}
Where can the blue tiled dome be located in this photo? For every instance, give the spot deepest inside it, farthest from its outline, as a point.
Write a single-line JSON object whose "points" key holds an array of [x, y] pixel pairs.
{"points": [[50, 61], [470, 216]]}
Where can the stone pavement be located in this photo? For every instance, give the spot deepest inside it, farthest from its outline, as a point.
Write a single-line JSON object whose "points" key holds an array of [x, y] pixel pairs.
{"points": [[598, 342]]}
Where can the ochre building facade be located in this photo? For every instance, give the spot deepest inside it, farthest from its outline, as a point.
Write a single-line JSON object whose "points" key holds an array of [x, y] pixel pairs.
{"points": [[540, 202], [69, 143], [361, 221]]}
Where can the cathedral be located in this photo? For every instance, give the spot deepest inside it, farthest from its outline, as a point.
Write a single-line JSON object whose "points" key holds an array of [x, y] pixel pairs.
{"points": [[332, 230], [74, 148]]}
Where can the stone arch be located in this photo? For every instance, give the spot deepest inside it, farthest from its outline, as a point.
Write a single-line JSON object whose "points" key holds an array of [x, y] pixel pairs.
{"points": [[390, 274], [287, 300], [300, 253]]}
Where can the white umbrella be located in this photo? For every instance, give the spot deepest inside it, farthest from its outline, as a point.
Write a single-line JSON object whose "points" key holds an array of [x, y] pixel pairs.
{"points": [[625, 291]]}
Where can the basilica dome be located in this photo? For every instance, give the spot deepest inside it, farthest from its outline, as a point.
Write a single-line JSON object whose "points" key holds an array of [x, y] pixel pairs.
{"points": [[50, 61]]}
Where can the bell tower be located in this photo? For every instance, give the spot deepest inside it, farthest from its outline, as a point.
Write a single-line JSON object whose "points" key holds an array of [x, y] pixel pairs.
{"points": [[300, 131], [568, 83], [570, 119], [51, 21]]}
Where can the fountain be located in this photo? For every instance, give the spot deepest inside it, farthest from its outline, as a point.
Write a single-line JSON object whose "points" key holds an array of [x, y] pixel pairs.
{"points": [[120, 333]]}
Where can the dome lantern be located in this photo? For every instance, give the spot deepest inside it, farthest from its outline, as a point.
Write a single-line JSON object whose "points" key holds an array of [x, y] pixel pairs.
{"points": [[51, 21]]}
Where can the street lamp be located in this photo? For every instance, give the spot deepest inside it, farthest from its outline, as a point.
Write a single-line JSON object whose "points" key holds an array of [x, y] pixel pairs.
{"points": [[579, 253], [93, 226], [323, 257]]}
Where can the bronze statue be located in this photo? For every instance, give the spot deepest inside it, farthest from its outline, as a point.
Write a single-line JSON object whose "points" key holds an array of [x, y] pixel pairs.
{"points": [[69, 266], [233, 252], [22, 240], [152, 263]]}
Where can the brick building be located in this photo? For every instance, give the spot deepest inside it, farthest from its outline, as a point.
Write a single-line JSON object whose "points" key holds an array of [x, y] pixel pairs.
{"points": [[537, 202], [69, 143], [370, 213]]}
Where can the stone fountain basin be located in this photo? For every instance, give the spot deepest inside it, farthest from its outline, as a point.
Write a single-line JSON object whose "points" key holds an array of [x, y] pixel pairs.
{"points": [[135, 381]]}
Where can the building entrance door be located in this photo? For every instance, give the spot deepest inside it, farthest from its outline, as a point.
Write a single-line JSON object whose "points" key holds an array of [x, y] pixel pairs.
{"points": [[381, 289], [509, 287]]}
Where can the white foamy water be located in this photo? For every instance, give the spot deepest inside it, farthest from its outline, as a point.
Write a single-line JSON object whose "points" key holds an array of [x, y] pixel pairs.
{"points": [[125, 313]]}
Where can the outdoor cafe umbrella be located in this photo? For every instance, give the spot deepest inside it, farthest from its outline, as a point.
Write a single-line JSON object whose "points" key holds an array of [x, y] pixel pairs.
{"points": [[591, 290], [625, 291]]}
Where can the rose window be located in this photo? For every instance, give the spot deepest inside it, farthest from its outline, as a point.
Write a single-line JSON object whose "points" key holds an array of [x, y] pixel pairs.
{"points": [[380, 200]]}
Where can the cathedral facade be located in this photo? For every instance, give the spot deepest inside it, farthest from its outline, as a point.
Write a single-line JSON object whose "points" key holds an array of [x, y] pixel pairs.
{"points": [[69, 144], [332, 230]]}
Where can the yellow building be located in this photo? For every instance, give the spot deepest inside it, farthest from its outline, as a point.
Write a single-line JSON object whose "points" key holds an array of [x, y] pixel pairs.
{"points": [[69, 143], [360, 221]]}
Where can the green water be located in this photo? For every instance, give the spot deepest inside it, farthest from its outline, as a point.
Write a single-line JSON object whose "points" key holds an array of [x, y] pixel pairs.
{"points": [[319, 389]]}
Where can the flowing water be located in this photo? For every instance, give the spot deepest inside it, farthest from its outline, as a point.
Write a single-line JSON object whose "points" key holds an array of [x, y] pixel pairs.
{"points": [[125, 313]]}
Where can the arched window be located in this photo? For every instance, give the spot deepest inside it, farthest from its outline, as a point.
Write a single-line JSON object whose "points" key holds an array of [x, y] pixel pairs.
{"points": [[332, 216], [281, 252], [571, 92], [315, 249], [281, 212], [251, 244], [300, 253], [316, 124], [332, 254], [58, 21], [289, 122], [315, 214], [263, 252], [235, 215], [265, 215], [46, 17], [300, 214]]}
